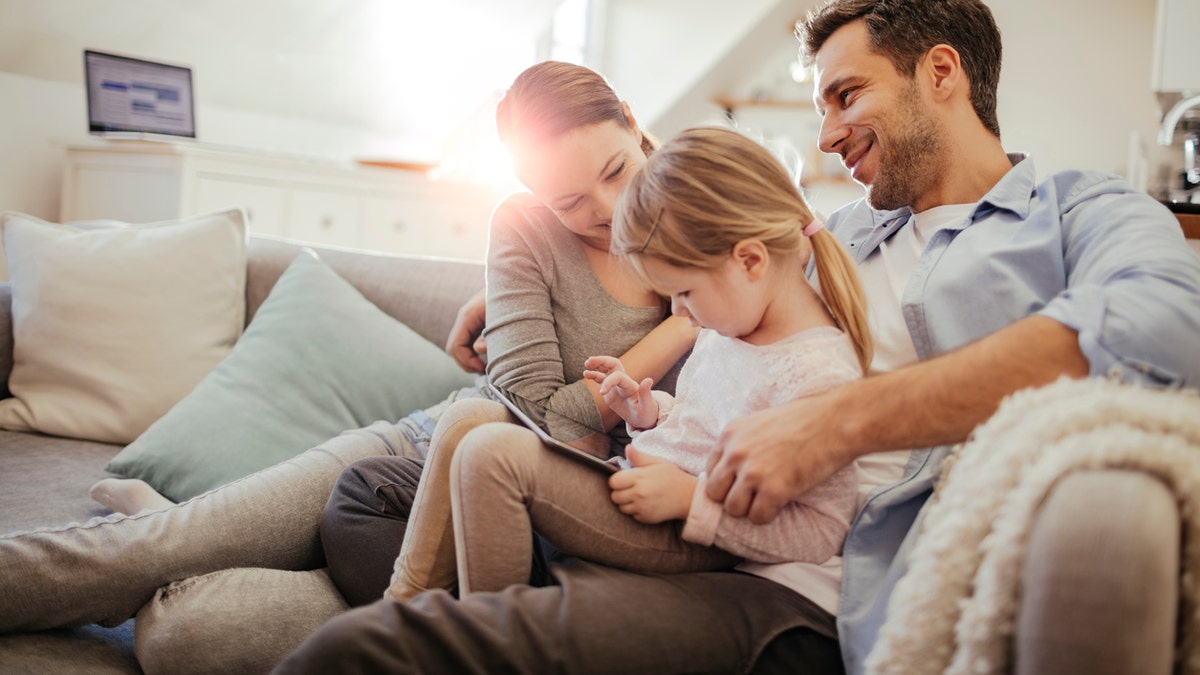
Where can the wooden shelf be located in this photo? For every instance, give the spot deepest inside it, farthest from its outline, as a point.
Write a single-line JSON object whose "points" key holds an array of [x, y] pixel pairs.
{"points": [[731, 104]]}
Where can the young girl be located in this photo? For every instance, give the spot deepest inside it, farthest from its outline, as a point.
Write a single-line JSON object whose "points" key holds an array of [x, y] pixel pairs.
{"points": [[715, 223]]}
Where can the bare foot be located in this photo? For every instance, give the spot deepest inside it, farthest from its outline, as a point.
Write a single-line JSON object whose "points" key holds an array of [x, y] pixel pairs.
{"points": [[128, 495]]}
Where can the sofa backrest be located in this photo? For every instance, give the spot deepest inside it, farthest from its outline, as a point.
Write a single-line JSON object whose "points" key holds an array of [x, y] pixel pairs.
{"points": [[424, 293]]}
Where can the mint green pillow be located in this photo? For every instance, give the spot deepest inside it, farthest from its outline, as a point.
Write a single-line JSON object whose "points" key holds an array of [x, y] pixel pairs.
{"points": [[317, 359]]}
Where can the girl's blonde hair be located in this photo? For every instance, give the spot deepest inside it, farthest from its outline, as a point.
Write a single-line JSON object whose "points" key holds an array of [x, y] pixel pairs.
{"points": [[550, 98], [709, 188]]}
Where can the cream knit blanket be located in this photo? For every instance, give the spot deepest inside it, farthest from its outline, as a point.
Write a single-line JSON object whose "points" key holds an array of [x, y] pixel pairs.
{"points": [[955, 609]]}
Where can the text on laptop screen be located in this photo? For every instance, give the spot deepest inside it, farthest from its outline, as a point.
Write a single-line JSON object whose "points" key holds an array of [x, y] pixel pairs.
{"points": [[127, 95]]}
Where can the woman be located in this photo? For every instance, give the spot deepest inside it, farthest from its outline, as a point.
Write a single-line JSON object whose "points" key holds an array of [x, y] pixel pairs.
{"points": [[107, 570], [555, 296]]}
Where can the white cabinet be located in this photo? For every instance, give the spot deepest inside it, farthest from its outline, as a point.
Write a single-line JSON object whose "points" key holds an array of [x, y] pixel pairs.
{"points": [[320, 202], [1176, 64], [265, 202], [326, 216]]}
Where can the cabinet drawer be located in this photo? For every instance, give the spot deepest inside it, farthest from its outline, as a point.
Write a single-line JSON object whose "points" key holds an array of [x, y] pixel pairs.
{"points": [[325, 216], [397, 224], [264, 202]]}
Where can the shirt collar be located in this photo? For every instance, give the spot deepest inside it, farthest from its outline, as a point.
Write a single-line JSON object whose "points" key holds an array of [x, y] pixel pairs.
{"points": [[1014, 191]]}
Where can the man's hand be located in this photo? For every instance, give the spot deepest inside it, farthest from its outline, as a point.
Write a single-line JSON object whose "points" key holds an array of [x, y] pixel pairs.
{"points": [[624, 395], [768, 458], [654, 490], [465, 344]]}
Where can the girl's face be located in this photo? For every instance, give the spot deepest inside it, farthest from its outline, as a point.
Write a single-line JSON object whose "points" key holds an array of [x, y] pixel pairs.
{"points": [[724, 298], [580, 175]]}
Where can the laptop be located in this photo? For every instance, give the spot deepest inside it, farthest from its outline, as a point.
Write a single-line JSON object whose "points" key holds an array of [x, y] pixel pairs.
{"points": [[610, 465], [134, 98]]}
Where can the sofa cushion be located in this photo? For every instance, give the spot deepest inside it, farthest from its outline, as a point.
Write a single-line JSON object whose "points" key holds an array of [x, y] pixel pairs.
{"points": [[317, 359], [114, 325]]}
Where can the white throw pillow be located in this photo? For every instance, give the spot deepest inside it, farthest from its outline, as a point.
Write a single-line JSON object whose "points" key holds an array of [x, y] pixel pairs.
{"points": [[114, 325]]}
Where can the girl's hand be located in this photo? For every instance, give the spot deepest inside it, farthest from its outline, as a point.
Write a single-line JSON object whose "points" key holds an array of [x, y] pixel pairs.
{"points": [[654, 490], [626, 397]]}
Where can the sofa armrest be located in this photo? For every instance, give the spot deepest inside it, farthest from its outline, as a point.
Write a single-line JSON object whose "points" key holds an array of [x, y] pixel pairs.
{"points": [[1101, 587], [6, 337]]}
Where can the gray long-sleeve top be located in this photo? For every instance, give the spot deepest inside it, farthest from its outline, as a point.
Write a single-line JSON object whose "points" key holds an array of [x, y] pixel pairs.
{"points": [[547, 312]]}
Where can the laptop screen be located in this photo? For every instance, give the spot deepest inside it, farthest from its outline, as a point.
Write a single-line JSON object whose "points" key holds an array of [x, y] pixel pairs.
{"points": [[130, 96]]}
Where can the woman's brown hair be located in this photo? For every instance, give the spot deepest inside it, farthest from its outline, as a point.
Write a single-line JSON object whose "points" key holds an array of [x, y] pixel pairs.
{"points": [[551, 98]]}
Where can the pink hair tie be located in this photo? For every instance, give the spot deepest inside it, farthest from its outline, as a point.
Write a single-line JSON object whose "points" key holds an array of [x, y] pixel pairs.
{"points": [[814, 227]]}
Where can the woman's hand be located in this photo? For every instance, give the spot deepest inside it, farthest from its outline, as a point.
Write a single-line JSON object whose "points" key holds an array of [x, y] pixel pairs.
{"points": [[465, 344], [654, 490], [624, 396]]}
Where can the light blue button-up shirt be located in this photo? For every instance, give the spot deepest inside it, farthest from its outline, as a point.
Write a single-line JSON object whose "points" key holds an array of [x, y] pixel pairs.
{"points": [[1082, 248]]}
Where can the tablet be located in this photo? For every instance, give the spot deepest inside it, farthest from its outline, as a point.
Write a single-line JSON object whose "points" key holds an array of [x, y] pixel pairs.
{"points": [[608, 466]]}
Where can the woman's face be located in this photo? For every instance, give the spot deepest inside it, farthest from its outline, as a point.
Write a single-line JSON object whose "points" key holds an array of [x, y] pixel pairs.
{"points": [[580, 174]]}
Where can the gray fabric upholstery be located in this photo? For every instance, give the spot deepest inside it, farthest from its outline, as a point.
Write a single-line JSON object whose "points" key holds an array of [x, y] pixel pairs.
{"points": [[44, 480], [1101, 583], [424, 293]]}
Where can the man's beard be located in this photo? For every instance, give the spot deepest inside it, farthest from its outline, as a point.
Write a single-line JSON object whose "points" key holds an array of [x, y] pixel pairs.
{"points": [[911, 164]]}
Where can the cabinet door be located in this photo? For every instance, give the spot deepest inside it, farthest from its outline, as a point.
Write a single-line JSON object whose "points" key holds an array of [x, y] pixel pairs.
{"points": [[263, 201], [129, 193], [395, 223], [1175, 66], [325, 216], [462, 228]]}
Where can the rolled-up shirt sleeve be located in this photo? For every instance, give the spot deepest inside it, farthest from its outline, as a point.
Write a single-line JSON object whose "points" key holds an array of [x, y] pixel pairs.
{"points": [[1133, 290]]}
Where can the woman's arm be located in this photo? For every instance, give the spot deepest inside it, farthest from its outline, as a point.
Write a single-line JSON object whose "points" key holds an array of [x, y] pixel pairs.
{"points": [[651, 357], [525, 360]]}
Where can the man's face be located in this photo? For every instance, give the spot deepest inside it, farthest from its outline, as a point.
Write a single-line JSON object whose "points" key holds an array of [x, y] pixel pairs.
{"points": [[877, 120]]}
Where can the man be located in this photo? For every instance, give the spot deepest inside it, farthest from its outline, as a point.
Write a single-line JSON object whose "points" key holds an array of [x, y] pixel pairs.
{"points": [[982, 282], [993, 282]]}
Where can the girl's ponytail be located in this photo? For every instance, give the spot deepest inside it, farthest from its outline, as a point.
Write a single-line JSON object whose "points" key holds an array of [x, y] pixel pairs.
{"points": [[843, 293]]}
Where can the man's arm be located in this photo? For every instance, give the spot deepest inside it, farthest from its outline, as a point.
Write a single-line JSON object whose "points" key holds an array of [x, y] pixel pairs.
{"points": [[768, 458]]}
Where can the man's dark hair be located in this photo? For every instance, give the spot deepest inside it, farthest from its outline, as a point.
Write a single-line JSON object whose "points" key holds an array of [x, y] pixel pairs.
{"points": [[905, 30]]}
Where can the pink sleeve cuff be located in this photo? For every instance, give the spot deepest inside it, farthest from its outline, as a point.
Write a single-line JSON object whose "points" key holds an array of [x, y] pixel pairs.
{"points": [[704, 516], [665, 403]]}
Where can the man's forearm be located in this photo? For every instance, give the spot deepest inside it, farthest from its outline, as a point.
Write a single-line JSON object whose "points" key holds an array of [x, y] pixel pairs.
{"points": [[941, 400]]}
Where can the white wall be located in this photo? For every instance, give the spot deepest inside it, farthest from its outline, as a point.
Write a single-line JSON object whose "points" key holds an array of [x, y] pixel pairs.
{"points": [[1075, 81], [40, 118], [1075, 84], [654, 51], [43, 117]]}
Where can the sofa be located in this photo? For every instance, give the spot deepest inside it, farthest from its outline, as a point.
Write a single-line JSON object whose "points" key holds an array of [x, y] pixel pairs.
{"points": [[1110, 606], [44, 480]]}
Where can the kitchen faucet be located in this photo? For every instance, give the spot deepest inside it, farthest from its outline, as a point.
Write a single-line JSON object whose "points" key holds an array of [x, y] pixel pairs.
{"points": [[1166, 133], [1191, 144]]}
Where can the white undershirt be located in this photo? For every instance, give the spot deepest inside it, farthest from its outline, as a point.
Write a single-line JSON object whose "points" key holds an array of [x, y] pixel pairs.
{"points": [[884, 274]]}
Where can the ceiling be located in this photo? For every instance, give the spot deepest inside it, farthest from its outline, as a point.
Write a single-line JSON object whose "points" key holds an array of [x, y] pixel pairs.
{"points": [[395, 66]]}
